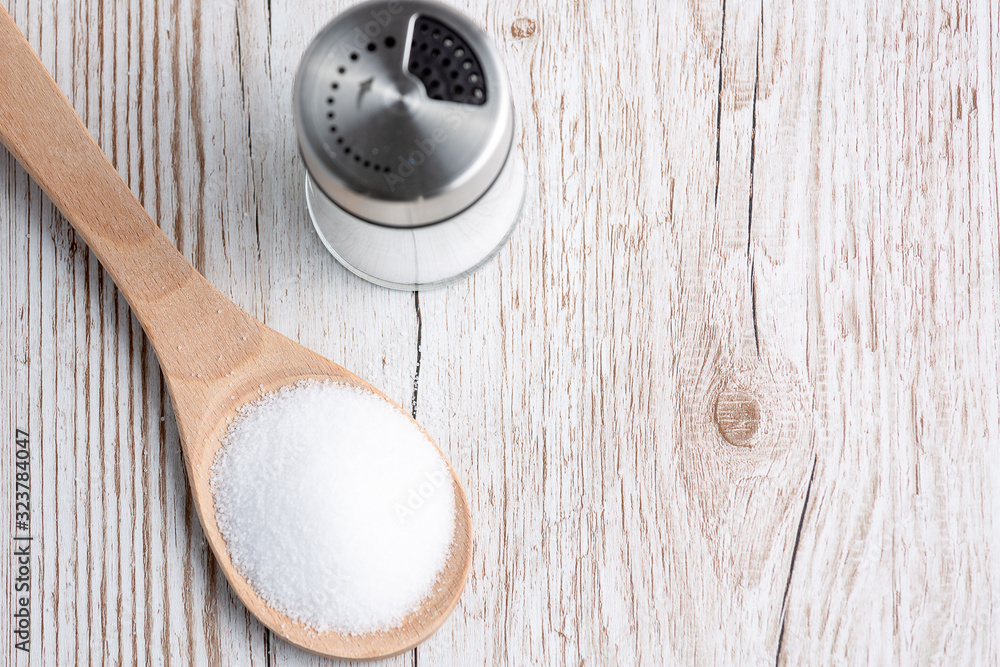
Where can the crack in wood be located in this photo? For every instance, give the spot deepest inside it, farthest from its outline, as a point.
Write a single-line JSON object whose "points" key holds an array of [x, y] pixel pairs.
{"points": [[416, 371], [753, 154], [269, 28], [197, 126], [175, 133], [753, 308], [791, 566], [416, 385], [243, 99], [718, 117]]}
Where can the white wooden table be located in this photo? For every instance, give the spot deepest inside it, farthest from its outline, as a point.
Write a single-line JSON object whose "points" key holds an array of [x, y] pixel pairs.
{"points": [[730, 395]]}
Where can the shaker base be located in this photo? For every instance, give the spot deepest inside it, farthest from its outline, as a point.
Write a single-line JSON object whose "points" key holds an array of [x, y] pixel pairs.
{"points": [[428, 256]]}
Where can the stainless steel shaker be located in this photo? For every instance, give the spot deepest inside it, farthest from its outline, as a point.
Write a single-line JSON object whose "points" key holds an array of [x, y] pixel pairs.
{"points": [[405, 124]]}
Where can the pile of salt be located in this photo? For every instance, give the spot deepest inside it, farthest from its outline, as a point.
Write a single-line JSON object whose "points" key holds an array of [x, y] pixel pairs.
{"points": [[334, 506]]}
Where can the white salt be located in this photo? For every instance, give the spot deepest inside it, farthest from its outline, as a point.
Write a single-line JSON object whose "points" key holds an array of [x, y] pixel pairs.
{"points": [[334, 506]]}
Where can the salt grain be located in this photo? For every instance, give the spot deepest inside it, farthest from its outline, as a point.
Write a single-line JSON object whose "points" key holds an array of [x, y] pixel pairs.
{"points": [[334, 506]]}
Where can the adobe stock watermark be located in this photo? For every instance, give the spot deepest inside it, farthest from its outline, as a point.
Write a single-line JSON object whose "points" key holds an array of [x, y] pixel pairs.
{"points": [[407, 165], [21, 567], [420, 494]]}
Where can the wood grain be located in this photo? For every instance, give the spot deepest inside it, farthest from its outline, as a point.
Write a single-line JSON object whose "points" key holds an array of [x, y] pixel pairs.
{"points": [[796, 203]]}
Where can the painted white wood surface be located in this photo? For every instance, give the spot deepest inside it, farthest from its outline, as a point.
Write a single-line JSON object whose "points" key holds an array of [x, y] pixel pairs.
{"points": [[793, 206]]}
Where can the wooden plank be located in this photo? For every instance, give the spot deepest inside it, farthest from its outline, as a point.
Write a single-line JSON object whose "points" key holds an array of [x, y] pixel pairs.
{"points": [[146, 588], [606, 494], [905, 234], [793, 206]]}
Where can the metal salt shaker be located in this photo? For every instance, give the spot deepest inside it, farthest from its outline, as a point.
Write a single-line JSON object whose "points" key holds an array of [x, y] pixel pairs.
{"points": [[405, 124]]}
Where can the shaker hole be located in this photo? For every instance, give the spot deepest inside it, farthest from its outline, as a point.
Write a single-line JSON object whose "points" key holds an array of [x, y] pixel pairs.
{"points": [[371, 46], [390, 42], [354, 56]]}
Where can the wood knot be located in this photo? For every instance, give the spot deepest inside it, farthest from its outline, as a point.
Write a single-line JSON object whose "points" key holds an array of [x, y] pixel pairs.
{"points": [[738, 416], [522, 28]]}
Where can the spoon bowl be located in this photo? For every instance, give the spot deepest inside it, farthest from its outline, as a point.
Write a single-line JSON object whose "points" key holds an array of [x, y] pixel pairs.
{"points": [[202, 441], [215, 357]]}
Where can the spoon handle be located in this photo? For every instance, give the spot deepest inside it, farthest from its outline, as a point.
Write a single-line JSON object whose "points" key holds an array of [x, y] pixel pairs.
{"points": [[177, 307]]}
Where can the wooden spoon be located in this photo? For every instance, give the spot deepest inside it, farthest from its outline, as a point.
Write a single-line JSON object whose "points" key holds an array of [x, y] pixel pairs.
{"points": [[215, 357]]}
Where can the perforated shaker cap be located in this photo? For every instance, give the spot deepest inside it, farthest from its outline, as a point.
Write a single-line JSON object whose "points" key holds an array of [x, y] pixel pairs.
{"points": [[403, 112]]}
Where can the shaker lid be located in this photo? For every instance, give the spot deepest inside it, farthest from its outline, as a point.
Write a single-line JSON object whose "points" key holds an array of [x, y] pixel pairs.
{"points": [[403, 112]]}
